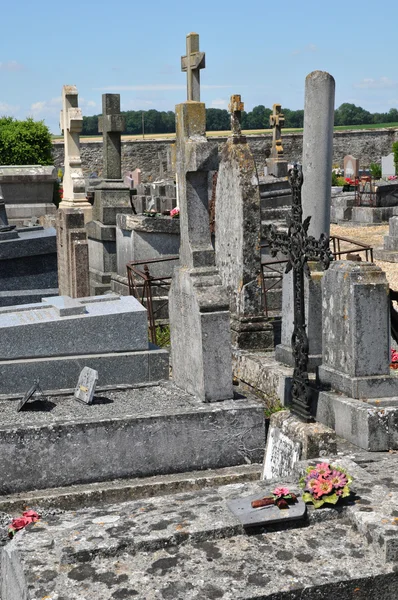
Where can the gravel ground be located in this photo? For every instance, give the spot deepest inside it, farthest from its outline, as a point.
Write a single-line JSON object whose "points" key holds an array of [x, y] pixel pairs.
{"points": [[374, 237]]}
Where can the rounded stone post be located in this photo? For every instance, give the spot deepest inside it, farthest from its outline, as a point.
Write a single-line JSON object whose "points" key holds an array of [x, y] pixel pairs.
{"points": [[318, 150]]}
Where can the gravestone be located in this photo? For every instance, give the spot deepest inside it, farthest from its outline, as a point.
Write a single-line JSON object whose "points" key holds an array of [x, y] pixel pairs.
{"points": [[356, 331], [111, 197], [276, 164], [86, 385], [238, 237], [191, 64], [198, 303], [351, 167], [74, 210], [387, 165], [389, 252], [53, 341], [316, 202]]}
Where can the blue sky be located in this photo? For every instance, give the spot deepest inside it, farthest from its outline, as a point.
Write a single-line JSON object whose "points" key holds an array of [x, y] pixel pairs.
{"points": [[258, 49]]}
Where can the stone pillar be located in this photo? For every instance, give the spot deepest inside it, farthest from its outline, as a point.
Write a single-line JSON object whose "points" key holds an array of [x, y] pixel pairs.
{"points": [[198, 303], [237, 240], [74, 210], [316, 202], [356, 331], [111, 197]]}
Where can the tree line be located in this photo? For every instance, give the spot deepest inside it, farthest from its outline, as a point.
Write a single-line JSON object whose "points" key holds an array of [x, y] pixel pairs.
{"points": [[218, 119]]}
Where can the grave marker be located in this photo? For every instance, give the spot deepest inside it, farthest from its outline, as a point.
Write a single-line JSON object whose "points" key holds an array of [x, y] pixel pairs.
{"points": [[191, 65], [111, 124], [276, 165], [35, 391], [351, 166], [86, 385], [387, 165]]}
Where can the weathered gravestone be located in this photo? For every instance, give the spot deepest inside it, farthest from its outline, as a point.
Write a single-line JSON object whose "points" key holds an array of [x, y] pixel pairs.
{"points": [[351, 167], [389, 252], [85, 388], [111, 197], [276, 164], [316, 201], [387, 165], [74, 210], [198, 303], [238, 237]]}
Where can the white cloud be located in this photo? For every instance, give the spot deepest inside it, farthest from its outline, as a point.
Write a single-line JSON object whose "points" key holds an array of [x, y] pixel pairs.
{"points": [[219, 103], [8, 109], [382, 83], [46, 108], [305, 49], [11, 65], [158, 87]]}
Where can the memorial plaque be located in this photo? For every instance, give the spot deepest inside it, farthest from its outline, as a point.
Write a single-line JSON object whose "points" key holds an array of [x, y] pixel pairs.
{"points": [[266, 515], [34, 392], [281, 454], [85, 388]]}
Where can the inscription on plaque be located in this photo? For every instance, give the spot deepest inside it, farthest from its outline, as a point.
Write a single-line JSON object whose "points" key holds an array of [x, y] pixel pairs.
{"points": [[281, 454]]}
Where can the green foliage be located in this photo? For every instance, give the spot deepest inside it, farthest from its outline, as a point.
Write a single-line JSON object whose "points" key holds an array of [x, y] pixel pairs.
{"points": [[334, 178], [273, 405], [163, 335], [375, 170], [395, 151], [24, 142]]}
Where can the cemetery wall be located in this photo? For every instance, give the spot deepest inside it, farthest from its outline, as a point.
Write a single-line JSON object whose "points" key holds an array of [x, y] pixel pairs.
{"points": [[368, 145]]}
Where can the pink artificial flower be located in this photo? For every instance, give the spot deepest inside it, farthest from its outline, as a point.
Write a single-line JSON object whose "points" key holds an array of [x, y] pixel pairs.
{"points": [[322, 487], [280, 492], [322, 469], [394, 355], [175, 212]]}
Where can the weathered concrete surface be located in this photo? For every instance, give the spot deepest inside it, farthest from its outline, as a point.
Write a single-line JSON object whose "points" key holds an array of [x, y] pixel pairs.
{"points": [[130, 433], [190, 546]]}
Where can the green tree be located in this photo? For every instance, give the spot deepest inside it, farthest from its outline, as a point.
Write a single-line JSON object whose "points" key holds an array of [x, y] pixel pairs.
{"points": [[26, 142], [349, 114]]}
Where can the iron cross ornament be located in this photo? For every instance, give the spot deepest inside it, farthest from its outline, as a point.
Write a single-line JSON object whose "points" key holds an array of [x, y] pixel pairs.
{"points": [[300, 248]]}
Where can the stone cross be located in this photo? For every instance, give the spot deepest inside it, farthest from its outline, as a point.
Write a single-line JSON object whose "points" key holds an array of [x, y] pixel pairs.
{"points": [[191, 64], [277, 121], [71, 123], [235, 108], [111, 124]]}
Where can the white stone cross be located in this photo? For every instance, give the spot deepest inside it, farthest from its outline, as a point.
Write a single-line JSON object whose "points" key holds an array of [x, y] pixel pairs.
{"points": [[235, 108], [191, 64], [277, 121], [71, 123]]}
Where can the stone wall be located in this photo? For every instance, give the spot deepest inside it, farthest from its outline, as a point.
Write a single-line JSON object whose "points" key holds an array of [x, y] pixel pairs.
{"points": [[368, 145]]}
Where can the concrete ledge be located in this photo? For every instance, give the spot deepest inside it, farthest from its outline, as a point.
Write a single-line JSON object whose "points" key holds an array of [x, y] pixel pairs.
{"points": [[359, 387], [127, 433], [263, 374], [130, 368], [369, 425], [385, 255]]}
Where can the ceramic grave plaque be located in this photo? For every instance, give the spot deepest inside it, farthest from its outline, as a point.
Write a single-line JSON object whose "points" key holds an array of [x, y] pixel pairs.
{"points": [[86, 385]]}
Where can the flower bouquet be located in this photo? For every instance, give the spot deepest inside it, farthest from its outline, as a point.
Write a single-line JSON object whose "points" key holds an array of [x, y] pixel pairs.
{"points": [[325, 483], [281, 497]]}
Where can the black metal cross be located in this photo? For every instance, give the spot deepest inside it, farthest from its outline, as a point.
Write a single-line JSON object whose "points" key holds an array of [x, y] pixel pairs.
{"points": [[300, 248]]}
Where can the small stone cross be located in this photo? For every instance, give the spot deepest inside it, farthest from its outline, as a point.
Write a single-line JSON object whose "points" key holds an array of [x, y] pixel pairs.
{"points": [[277, 121], [191, 64], [111, 124], [235, 108]]}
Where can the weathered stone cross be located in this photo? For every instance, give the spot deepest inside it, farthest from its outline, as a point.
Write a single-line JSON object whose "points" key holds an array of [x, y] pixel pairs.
{"points": [[235, 108], [111, 124], [277, 121], [71, 123], [191, 64]]}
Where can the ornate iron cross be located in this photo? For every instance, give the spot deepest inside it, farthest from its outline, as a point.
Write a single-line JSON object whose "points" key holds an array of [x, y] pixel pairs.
{"points": [[300, 248]]}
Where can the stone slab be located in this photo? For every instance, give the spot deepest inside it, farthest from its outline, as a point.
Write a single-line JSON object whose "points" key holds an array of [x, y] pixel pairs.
{"points": [[59, 373], [359, 387], [189, 545], [109, 324], [267, 515], [31, 242], [265, 375], [130, 433]]}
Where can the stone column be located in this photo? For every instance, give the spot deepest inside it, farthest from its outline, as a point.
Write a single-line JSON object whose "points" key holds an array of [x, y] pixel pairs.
{"points": [[356, 331], [316, 202], [74, 210], [198, 303], [237, 240], [111, 197]]}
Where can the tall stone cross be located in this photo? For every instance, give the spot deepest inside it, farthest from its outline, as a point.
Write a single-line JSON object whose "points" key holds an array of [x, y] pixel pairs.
{"points": [[277, 121], [299, 248], [191, 64], [71, 123], [111, 124], [236, 107]]}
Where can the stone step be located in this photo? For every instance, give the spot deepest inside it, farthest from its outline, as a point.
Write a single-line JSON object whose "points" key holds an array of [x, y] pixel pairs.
{"points": [[137, 432], [275, 201], [190, 545]]}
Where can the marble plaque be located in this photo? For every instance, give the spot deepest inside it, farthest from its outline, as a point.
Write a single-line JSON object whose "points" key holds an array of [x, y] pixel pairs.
{"points": [[281, 454], [266, 515], [86, 385]]}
